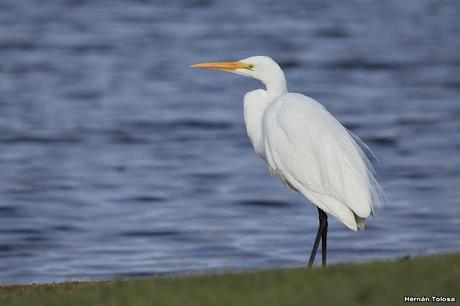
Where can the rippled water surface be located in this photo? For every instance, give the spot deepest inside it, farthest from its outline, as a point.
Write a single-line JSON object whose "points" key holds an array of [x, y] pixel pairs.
{"points": [[117, 159]]}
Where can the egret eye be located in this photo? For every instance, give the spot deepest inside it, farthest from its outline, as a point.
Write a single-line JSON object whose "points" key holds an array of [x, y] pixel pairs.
{"points": [[250, 66]]}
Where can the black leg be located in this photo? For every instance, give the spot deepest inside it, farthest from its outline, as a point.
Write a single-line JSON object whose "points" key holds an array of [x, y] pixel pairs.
{"points": [[324, 238], [318, 237]]}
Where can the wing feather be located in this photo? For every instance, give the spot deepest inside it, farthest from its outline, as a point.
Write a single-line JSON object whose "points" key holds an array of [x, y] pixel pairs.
{"points": [[310, 150]]}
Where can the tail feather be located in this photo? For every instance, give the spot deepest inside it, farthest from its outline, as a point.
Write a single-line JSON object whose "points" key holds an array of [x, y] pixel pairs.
{"points": [[360, 222]]}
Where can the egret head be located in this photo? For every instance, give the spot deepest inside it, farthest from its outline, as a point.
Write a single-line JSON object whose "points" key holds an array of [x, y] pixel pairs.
{"points": [[262, 68]]}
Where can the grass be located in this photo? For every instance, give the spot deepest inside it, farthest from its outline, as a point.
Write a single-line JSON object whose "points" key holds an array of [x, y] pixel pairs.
{"points": [[377, 283]]}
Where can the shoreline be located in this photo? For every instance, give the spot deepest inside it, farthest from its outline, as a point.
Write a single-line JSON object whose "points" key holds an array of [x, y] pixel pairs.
{"points": [[372, 283], [220, 271]]}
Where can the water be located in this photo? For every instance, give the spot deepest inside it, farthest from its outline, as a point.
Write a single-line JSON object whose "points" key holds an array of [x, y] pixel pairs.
{"points": [[117, 159]]}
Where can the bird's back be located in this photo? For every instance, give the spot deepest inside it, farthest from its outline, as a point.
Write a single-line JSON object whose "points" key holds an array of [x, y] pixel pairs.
{"points": [[310, 151]]}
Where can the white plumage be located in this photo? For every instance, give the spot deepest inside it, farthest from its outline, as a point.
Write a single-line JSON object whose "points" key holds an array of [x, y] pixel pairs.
{"points": [[305, 146], [312, 153], [309, 150]]}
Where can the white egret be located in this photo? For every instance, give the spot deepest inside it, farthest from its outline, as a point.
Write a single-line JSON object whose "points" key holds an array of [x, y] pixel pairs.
{"points": [[306, 148]]}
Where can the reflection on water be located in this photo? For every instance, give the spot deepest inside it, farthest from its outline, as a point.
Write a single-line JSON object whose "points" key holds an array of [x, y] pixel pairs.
{"points": [[117, 159]]}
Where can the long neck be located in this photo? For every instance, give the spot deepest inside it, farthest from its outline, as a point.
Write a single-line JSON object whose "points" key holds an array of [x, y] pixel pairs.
{"points": [[275, 83], [255, 104]]}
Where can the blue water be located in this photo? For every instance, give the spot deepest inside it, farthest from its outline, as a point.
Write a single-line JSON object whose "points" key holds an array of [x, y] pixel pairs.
{"points": [[117, 159]]}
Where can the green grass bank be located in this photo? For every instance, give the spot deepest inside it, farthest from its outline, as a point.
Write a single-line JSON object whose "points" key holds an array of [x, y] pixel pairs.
{"points": [[375, 283]]}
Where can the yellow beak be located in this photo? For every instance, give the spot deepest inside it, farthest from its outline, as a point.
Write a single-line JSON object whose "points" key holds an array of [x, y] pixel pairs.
{"points": [[225, 66]]}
